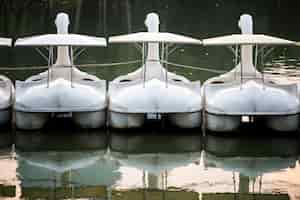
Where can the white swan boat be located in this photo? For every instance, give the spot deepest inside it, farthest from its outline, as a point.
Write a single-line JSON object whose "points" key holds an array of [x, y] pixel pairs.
{"points": [[151, 91], [62, 88], [244, 91], [6, 91]]}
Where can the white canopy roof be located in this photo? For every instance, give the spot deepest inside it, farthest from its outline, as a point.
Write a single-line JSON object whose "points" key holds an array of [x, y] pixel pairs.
{"points": [[154, 37], [5, 42], [244, 39], [61, 40]]}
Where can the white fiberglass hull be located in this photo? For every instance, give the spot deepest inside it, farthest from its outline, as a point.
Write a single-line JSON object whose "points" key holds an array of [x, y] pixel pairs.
{"points": [[130, 103], [6, 98], [276, 105], [35, 102]]}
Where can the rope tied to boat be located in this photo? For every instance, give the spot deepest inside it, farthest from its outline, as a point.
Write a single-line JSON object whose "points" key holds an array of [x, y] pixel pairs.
{"points": [[118, 64], [83, 65], [193, 67]]}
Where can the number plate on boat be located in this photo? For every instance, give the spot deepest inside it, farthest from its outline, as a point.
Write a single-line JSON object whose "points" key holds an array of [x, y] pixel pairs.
{"points": [[153, 116]]}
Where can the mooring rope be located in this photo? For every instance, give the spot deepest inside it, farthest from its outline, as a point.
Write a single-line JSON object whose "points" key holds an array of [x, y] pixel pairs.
{"points": [[116, 64], [84, 65], [110, 64], [194, 67]]}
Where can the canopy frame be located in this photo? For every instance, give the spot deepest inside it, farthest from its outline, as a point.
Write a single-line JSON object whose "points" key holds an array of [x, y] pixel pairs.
{"points": [[5, 42], [260, 51], [164, 55], [256, 40], [238, 59], [50, 60], [49, 41], [163, 39], [76, 51]]}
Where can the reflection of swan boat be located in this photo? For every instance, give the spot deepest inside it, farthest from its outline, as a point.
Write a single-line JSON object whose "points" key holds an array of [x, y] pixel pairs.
{"points": [[63, 88], [249, 169], [246, 92], [251, 158], [71, 174], [240, 154], [152, 91], [155, 154], [62, 140], [61, 161], [6, 91], [250, 166]]}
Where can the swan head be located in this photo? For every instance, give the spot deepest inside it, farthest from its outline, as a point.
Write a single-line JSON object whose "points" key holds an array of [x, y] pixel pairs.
{"points": [[62, 23], [246, 24], [152, 22]]}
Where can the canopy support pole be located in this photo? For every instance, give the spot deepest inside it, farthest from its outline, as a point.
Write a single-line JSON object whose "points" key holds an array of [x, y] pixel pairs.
{"points": [[138, 47], [72, 63], [144, 63], [172, 50], [236, 54], [264, 55], [166, 49], [241, 70], [232, 49], [78, 53], [255, 58], [41, 53], [162, 57], [50, 63]]}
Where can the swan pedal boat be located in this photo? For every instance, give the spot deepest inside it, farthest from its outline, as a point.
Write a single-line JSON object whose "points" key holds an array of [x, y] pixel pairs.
{"points": [[151, 91], [62, 88], [244, 91]]}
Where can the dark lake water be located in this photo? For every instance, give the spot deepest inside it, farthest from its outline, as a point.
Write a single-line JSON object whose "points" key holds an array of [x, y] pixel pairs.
{"points": [[66, 163]]}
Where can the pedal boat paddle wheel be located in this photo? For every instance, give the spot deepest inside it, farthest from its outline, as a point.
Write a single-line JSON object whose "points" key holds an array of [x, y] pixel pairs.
{"points": [[152, 92], [62, 88]]}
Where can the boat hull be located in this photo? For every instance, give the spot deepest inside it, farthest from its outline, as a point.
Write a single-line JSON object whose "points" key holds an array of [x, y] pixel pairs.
{"points": [[272, 105], [37, 120], [36, 102], [230, 123], [186, 120], [94, 119], [5, 116], [222, 123], [30, 120], [137, 120], [132, 103], [126, 120]]}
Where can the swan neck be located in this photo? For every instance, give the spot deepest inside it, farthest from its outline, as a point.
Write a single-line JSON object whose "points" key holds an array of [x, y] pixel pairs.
{"points": [[63, 56]]}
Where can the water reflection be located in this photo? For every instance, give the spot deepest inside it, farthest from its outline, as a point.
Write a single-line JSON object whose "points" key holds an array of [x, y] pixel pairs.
{"points": [[83, 170], [250, 160], [147, 159], [149, 165]]}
